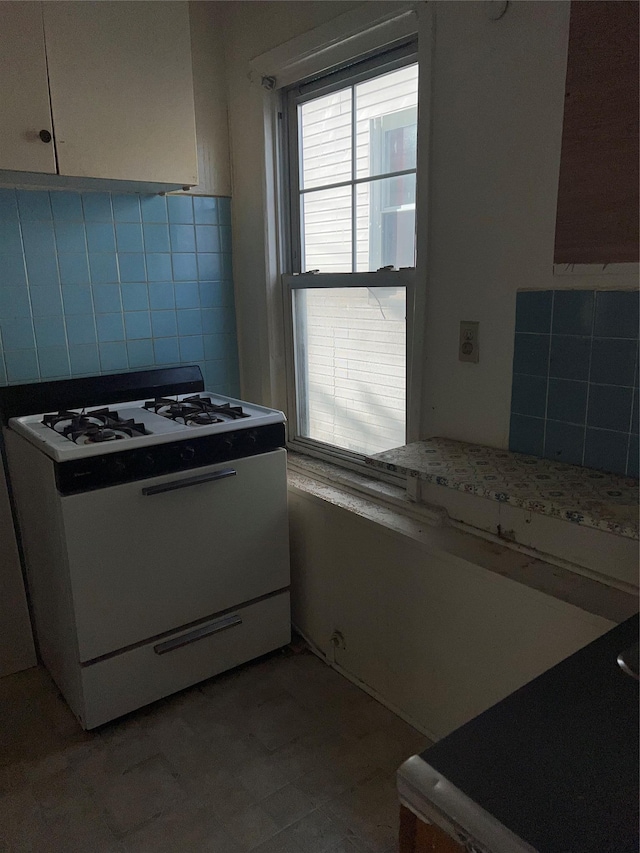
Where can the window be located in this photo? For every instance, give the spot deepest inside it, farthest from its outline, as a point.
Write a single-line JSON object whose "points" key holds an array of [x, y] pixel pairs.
{"points": [[352, 142]]}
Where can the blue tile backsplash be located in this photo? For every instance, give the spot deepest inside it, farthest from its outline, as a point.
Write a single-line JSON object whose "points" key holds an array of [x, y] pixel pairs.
{"points": [[574, 396], [101, 282]]}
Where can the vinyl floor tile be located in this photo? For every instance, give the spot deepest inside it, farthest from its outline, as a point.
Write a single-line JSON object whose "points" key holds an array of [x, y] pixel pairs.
{"points": [[319, 831], [186, 827], [219, 792], [324, 784], [250, 826], [21, 820], [282, 755], [262, 777], [281, 720], [305, 754], [369, 812], [78, 825], [280, 843], [139, 794], [351, 845], [287, 806]]}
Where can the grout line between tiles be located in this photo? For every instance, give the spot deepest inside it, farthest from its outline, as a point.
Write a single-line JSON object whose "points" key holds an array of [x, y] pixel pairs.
{"points": [[633, 400], [546, 399], [586, 413]]}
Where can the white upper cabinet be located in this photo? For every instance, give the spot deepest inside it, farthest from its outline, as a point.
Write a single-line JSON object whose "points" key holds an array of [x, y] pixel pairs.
{"points": [[122, 90], [24, 96], [119, 85]]}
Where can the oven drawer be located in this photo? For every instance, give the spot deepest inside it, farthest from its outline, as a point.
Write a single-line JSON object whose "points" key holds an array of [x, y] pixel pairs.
{"points": [[119, 684], [150, 556]]}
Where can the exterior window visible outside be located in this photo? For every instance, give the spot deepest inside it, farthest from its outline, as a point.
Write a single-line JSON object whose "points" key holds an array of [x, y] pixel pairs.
{"points": [[353, 213]]}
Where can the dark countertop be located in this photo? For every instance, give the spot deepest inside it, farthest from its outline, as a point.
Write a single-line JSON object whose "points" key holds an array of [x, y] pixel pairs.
{"points": [[556, 762]]}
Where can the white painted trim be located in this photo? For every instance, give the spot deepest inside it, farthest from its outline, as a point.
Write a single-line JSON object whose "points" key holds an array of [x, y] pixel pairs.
{"points": [[417, 318], [343, 468], [356, 181], [357, 32], [404, 277], [275, 377], [597, 269]]}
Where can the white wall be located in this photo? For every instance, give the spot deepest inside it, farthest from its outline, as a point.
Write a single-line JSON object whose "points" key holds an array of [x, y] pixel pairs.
{"points": [[496, 124], [497, 109], [434, 635]]}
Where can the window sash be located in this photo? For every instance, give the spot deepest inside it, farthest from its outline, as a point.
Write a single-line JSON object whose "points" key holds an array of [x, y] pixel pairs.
{"points": [[304, 281], [380, 278], [355, 181], [295, 278], [396, 57]]}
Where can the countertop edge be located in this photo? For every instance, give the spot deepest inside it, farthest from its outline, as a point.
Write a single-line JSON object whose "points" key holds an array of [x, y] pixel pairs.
{"points": [[577, 517], [451, 810]]}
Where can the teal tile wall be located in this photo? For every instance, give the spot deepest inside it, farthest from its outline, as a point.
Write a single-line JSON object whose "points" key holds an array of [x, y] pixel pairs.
{"points": [[100, 282], [575, 394]]}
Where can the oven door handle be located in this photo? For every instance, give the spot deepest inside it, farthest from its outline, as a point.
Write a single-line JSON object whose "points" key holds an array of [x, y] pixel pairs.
{"points": [[198, 634], [189, 481]]}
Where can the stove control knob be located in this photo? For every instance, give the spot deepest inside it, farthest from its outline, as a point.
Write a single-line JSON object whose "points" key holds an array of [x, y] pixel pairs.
{"points": [[252, 438], [229, 441], [187, 453], [149, 461]]}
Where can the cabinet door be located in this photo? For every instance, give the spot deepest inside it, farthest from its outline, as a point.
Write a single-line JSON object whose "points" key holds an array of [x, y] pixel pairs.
{"points": [[24, 93], [122, 90]]}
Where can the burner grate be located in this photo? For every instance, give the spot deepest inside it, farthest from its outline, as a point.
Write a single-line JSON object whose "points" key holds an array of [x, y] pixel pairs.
{"points": [[195, 411], [94, 426]]}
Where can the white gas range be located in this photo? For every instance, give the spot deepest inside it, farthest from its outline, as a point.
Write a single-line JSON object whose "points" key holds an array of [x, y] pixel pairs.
{"points": [[154, 532]]}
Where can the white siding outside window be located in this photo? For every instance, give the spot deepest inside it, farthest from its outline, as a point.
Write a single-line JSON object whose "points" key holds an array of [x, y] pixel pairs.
{"points": [[326, 135]]}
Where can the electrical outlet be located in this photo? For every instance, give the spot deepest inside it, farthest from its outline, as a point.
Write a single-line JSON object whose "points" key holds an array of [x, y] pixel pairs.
{"points": [[337, 640], [469, 349]]}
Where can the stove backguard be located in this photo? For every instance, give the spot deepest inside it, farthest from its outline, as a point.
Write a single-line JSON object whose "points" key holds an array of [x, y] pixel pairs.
{"points": [[93, 391]]}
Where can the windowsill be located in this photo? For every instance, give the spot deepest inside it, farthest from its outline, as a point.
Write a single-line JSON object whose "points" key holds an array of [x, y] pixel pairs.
{"points": [[581, 496], [432, 501], [431, 526], [368, 486]]}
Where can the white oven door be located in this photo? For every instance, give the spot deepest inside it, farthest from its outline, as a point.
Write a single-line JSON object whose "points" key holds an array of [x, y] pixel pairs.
{"points": [[151, 556]]}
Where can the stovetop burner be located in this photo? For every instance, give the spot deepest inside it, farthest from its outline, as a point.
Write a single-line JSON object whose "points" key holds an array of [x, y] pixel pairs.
{"points": [[115, 418], [195, 411], [93, 427]]}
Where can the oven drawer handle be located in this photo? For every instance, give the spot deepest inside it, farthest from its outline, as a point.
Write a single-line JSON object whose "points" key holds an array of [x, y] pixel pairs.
{"points": [[190, 481], [198, 634]]}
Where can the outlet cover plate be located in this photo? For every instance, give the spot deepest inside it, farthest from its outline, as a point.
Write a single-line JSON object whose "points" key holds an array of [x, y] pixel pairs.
{"points": [[468, 349]]}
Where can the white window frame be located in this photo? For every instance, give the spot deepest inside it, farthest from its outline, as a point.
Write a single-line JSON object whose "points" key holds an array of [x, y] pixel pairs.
{"points": [[364, 29], [393, 57]]}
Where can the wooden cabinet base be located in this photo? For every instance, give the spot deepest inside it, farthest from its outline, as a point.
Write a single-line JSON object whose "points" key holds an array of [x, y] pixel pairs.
{"points": [[419, 837]]}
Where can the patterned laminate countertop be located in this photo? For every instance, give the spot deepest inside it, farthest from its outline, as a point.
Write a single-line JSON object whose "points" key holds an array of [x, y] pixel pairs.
{"points": [[579, 495]]}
